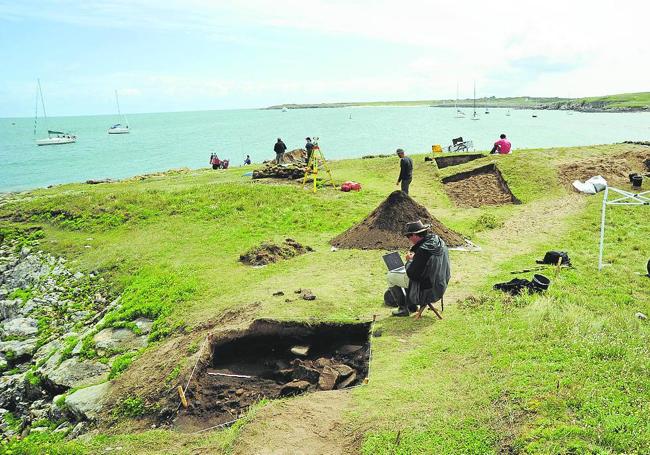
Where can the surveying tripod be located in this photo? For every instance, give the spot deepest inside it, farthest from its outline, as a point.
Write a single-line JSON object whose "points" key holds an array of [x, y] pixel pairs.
{"points": [[316, 160]]}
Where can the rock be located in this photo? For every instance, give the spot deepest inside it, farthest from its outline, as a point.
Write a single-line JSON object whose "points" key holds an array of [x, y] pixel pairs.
{"points": [[86, 403], [641, 316], [76, 373], [349, 348], [50, 364], [12, 390], [19, 348], [239, 392], [301, 351], [26, 273], [323, 362], [47, 349], [78, 430], [328, 378], [304, 373], [294, 388], [345, 383], [278, 294], [20, 327], [344, 370], [144, 325], [118, 339], [10, 308]]}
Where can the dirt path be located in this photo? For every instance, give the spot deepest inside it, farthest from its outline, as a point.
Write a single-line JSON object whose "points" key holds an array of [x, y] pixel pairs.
{"points": [[315, 423], [309, 424]]}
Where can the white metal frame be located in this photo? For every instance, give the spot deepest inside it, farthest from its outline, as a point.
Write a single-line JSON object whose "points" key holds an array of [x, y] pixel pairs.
{"points": [[627, 198]]}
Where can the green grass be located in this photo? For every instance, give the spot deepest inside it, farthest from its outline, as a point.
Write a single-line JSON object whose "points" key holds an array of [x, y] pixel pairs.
{"points": [[563, 372]]}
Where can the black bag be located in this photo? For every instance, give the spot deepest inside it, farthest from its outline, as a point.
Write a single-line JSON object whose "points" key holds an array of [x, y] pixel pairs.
{"points": [[552, 257]]}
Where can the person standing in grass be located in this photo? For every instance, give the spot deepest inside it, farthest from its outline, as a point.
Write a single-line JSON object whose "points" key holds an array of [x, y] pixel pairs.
{"points": [[502, 146], [309, 147], [279, 149], [405, 170]]}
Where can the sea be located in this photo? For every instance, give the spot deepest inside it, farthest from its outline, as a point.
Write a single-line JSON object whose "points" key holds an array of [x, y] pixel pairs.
{"points": [[162, 141]]}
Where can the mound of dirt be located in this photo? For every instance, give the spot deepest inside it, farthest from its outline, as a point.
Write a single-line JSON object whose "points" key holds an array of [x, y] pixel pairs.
{"points": [[481, 186], [268, 253], [615, 169], [446, 161], [384, 227]]}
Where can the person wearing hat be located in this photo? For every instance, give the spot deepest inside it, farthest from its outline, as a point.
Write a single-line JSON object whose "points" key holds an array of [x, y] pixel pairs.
{"points": [[309, 146], [427, 267], [405, 170], [279, 149]]}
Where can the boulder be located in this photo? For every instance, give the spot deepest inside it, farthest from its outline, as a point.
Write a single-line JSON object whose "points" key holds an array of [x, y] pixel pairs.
{"points": [[20, 327], [26, 273], [304, 373], [344, 370], [118, 339], [78, 373], [12, 390], [86, 403], [350, 379], [328, 378], [19, 348], [10, 308]]}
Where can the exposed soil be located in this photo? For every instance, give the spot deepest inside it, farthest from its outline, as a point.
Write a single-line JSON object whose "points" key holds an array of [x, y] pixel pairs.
{"points": [[270, 360], [481, 186], [615, 169], [446, 161], [384, 227], [268, 253]]}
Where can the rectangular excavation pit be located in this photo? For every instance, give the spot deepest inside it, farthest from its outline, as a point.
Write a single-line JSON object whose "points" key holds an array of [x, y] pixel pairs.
{"points": [[481, 186], [269, 360], [446, 161]]}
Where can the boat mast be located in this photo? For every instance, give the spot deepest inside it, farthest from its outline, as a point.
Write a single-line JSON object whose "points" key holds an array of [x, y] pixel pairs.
{"points": [[474, 99], [43, 104]]}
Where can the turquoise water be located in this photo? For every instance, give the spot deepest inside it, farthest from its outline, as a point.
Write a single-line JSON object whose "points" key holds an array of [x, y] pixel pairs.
{"points": [[170, 140]]}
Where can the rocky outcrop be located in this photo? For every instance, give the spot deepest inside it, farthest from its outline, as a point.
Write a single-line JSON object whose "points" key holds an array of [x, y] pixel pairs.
{"points": [[78, 373], [86, 403]]}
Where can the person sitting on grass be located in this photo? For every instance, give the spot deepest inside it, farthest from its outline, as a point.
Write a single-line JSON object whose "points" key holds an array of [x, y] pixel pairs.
{"points": [[427, 267], [502, 146]]}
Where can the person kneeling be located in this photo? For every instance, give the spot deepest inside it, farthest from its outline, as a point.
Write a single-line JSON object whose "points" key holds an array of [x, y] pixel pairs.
{"points": [[427, 267]]}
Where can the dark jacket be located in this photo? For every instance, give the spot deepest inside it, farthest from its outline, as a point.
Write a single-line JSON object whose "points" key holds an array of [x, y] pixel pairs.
{"points": [[279, 147], [405, 169], [309, 146], [429, 270]]}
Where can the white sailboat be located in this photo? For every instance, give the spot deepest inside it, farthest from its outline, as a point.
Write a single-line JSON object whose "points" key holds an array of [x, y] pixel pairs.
{"points": [[53, 137], [508, 113], [486, 108], [459, 113], [118, 128], [475, 115]]}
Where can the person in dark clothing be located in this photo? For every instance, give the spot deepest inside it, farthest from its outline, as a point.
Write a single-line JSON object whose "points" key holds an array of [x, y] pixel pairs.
{"points": [[427, 267], [247, 161], [405, 170], [279, 149], [309, 147]]}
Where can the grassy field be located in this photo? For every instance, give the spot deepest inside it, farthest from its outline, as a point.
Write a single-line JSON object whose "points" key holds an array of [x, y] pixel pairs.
{"points": [[623, 101], [563, 372]]}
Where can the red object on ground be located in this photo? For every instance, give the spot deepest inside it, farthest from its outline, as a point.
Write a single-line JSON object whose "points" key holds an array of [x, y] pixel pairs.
{"points": [[350, 186]]}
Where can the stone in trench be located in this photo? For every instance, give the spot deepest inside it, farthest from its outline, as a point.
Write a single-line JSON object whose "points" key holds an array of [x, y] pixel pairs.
{"points": [[328, 378], [349, 348], [344, 370], [304, 373], [78, 373], [323, 362], [20, 327], [294, 388], [301, 351], [346, 382], [118, 339], [86, 403]]}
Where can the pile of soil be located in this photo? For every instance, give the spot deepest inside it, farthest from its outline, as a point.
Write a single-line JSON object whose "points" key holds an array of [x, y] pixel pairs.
{"points": [[281, 171], [615, 169], [271, 360], [295, 156], [268, 253], [446, 161], [384, 227], [481, 186]]}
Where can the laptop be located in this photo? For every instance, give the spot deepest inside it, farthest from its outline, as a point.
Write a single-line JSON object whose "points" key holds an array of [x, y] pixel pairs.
{"points": [[394, 262]]}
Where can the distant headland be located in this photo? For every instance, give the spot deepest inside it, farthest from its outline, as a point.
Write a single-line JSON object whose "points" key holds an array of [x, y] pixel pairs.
{"points": [[625, 102]]}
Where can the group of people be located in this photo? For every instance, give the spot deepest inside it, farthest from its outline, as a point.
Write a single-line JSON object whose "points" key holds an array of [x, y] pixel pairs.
{"points": [[280, 147]]}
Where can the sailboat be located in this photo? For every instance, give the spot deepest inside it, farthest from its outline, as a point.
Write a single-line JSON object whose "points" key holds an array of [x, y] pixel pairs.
{"points": [[459, 113], [475, 115], [118, 128], [486, 108], [53, 137], [508, 113]]}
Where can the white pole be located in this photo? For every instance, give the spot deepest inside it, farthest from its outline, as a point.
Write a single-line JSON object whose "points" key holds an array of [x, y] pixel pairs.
{"points": [[602, 230]]}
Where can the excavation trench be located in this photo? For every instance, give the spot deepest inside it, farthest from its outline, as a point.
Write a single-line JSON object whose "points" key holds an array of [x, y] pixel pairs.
{"points": [[273, 359], [446, 161], [481, 186]]}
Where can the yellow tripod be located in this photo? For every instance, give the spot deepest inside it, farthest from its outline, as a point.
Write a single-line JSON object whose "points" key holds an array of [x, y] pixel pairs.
{"points": [[316, 160]]}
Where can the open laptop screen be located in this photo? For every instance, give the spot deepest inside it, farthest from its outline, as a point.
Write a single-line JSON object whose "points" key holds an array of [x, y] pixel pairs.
{"points": [[393, 261]]}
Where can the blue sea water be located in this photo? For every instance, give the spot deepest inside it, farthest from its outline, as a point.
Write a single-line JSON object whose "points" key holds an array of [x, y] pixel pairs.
{"points": [[186, 139]]}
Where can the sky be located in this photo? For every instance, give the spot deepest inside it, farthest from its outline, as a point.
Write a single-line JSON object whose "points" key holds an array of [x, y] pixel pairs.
{"points": [[185, 55]]}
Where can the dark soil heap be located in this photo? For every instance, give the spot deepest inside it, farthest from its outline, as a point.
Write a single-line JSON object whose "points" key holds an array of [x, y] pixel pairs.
{"points": [[614, 168], [384, 227], [268, 253], [481, 186]]}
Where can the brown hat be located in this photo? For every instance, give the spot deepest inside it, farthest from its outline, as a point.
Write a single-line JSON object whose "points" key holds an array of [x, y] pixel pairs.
{"points": [[416, 227]]}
